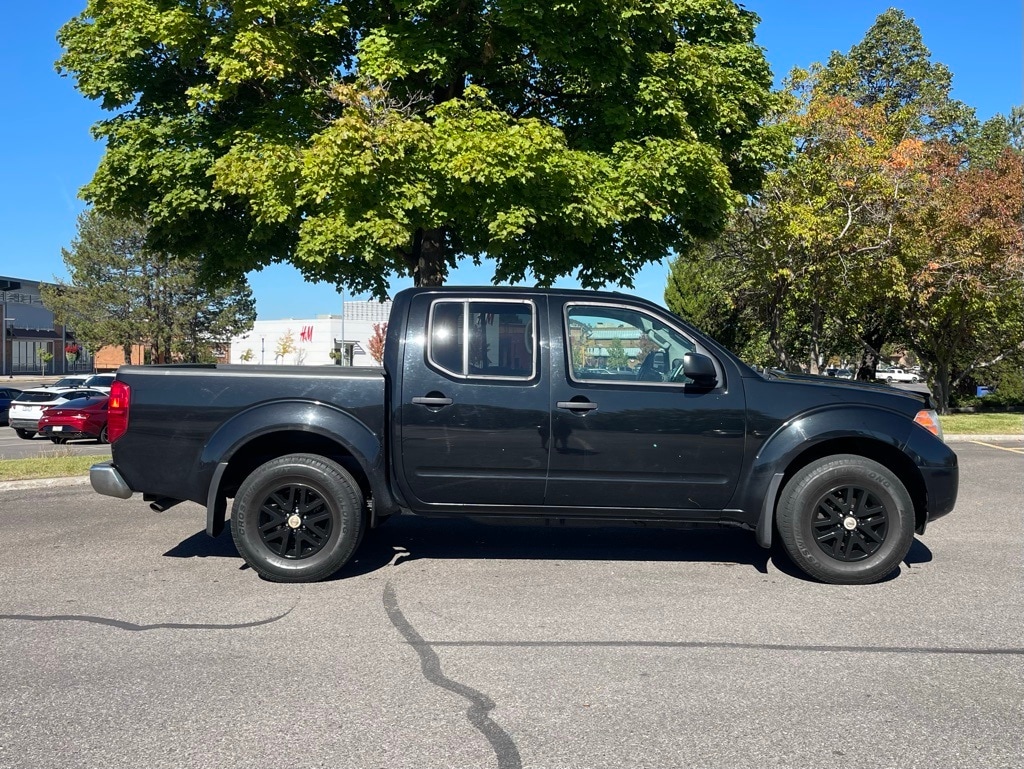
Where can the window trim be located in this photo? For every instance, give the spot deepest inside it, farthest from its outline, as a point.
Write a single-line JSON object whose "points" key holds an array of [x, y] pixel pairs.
{"points": [[697, 347], [466, 375]]}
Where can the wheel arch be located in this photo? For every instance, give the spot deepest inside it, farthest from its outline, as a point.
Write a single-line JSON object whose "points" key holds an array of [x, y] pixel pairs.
{"points": [[879, 434], [885, 454], [266, 432]]}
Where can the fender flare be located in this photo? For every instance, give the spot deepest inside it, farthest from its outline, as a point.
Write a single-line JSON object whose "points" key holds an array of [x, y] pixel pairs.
{"points": [[296, 414], [841, 423]]}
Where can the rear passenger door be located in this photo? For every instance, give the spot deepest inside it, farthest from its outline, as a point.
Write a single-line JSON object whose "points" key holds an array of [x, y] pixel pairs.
{"points": [[474, 412]]}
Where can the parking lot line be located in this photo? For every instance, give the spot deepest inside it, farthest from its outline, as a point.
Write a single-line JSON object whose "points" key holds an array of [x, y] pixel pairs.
{"points": [[1003, 448]]}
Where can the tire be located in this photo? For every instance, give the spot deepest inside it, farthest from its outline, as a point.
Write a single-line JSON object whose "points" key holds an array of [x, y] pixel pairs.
{"points": [[24, 434], [57, 441], [846, 520], [298, 518], [103, 435]]}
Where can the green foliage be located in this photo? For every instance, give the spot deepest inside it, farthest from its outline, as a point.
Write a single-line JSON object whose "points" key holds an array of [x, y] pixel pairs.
{"points": [[123, 293], [895, 222], [617, 357], [359, 141]]}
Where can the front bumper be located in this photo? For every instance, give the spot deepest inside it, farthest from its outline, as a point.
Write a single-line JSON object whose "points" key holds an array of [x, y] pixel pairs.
{"points": [[106, 480], [939, 469]]}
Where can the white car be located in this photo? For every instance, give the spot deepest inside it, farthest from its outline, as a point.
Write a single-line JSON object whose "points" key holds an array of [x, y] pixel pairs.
{"points": [[100, 382], [27, 408], [71, 380], [896, 375]]}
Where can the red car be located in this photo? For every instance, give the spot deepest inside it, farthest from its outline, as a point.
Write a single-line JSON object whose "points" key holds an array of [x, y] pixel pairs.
{"points": [[80, 418]]}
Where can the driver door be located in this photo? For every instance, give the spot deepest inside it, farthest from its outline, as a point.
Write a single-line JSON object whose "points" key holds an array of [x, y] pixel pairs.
{"points": [[640, 436]]}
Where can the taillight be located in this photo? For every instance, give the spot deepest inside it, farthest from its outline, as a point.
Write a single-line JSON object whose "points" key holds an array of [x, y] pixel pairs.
{"points": [[117, 410], [929, 420]]}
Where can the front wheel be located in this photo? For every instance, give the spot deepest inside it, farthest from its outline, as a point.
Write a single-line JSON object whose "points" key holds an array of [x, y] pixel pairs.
{"points": [[298, 518], [846, 520]]}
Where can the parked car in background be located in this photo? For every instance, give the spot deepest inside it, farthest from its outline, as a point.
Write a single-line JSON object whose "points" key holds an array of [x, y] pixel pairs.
{"points": [[71, 380], [7, 394], [100, 382], [79, 418], [27, 409], [896, 375]]}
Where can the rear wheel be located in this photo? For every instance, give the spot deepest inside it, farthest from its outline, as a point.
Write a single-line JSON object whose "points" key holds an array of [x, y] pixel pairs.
{"points": [[298, 518], [846, 519], [103, 435], [26, 434]]}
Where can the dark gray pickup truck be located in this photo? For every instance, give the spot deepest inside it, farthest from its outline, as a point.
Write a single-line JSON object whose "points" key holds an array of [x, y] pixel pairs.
{"points": [[565, 406]]}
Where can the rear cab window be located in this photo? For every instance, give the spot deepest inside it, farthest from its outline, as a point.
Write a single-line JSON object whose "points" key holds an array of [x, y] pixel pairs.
{"points": [[483, 339]]}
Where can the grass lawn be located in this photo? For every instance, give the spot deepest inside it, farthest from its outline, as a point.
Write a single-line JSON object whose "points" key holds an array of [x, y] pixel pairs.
{"points": [[67, 466], [982, 424], [47, 467]]}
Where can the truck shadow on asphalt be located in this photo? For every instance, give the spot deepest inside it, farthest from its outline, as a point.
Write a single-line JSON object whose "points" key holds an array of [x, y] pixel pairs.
{"points": [[409, 538]]}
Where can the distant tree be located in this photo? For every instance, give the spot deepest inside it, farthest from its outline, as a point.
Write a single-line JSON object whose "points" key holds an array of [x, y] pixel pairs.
{"points": [[361, 140], [380, 331], [123, 293], [617, 357], [820, 257], [285, 346], [967, 311]]}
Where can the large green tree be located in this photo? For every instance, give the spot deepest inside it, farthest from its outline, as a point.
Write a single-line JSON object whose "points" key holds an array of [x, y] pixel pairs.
{"points": [[365, 139], [123, 293]]}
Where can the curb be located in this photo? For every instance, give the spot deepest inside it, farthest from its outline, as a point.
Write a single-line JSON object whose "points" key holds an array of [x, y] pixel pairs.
{"points": [[965, 438], [44, 483]]}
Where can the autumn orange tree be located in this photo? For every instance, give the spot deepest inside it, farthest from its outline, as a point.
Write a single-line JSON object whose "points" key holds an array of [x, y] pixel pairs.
{"points": [[813, 258], [376, 343], [967, 282], [895, 220]]}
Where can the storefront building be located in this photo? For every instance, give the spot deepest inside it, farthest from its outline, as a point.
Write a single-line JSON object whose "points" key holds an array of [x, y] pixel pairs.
{"points": [[31, 342]]}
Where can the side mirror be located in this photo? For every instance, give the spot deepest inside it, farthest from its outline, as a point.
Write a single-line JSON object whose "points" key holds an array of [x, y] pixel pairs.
{"points": [[701, 369]]}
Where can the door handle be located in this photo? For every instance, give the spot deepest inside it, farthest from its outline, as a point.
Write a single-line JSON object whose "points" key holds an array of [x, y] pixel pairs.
{"points": [[427, 401], [577, 405]]}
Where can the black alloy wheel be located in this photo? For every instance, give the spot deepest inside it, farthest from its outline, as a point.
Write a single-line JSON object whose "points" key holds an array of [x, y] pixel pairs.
{"points": [[298, 518], [294, 521], [846, 519], [850, 523]]}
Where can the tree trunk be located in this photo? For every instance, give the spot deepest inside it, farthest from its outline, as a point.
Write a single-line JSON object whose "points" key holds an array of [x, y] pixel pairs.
{"points": [[428, 262], [870, 356], [942, 387]]}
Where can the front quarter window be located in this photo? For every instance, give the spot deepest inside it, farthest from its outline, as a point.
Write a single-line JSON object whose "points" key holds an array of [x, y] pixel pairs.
{"points": [[611, 343]]}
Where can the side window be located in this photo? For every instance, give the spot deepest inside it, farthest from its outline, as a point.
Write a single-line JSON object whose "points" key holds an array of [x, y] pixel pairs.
{"points": [[609, 343], [483, 339]]}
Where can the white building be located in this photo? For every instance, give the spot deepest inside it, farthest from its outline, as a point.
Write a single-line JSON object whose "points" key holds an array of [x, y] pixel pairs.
{"points": [[321, 341]]}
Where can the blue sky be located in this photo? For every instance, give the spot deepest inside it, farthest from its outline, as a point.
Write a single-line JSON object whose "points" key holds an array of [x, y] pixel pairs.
{"points": [[49, 152]]}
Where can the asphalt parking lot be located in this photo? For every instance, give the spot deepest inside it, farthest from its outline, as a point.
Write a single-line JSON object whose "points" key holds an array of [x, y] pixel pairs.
{"points": [[13, 447], [128, 638]]}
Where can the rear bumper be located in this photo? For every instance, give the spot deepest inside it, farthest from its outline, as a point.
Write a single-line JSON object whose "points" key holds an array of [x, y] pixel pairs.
{"points": [[24, 424], [49, 432], [106, 480]]}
